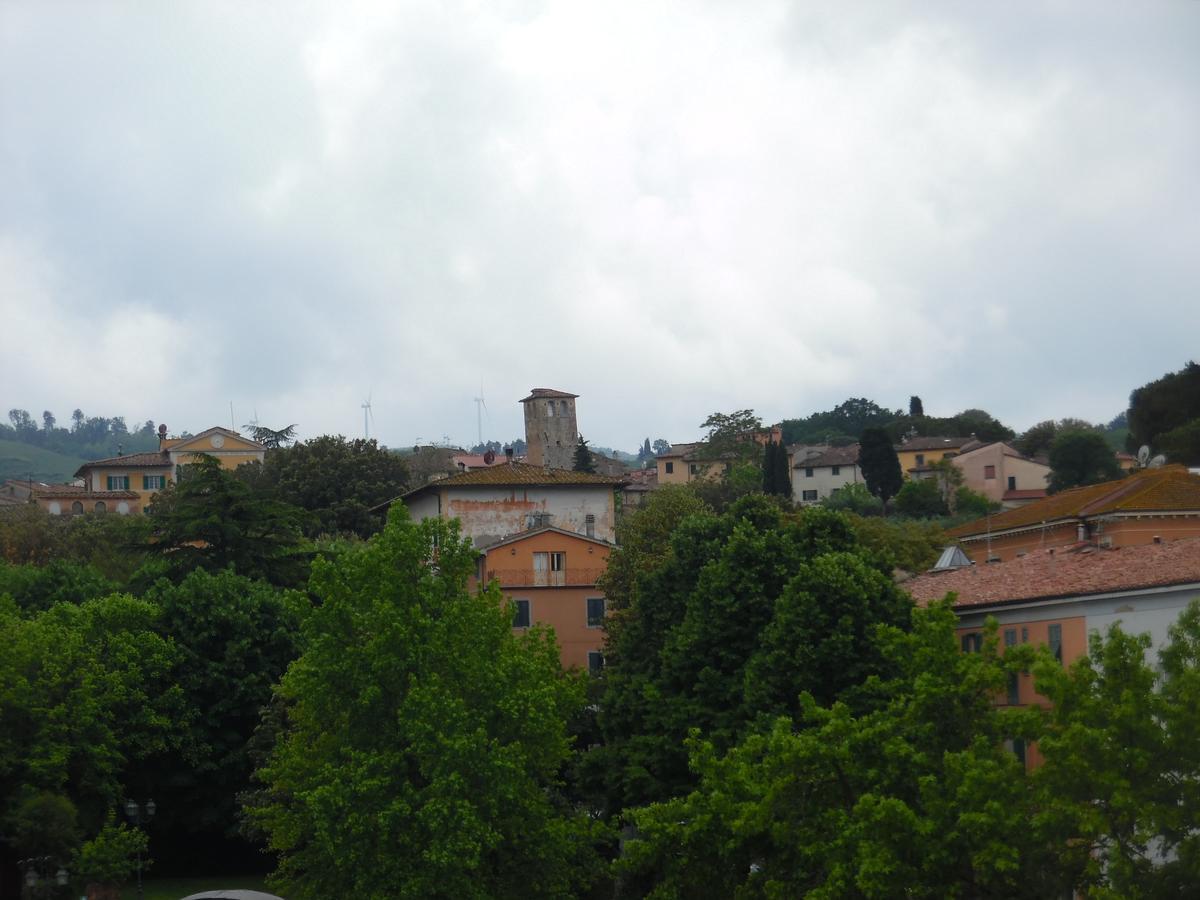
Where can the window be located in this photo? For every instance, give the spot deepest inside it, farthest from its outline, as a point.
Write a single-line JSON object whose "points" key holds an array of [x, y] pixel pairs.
{"points": [[670, 467], [566, 408], [808, 472], [694, 469], [589, 525], [100, 506], [1010, 637], [118, 482], [1055, 635], [1018, 749], [989, 471], [595, 662], [1014, 690], [77, 508], [549, 569], [520, 614], [153, 482], [808, 496], [550, 408], [837, 470], [1012, 482], [972, 643], [920, 459], [595, 612]]}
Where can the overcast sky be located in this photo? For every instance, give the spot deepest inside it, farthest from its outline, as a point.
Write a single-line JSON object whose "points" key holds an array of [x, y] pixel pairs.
{"points": [[668, 209]]}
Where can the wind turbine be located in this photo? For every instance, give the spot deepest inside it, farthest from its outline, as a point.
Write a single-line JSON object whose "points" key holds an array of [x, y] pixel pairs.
{"points": [[366, 408], [480, 409]]}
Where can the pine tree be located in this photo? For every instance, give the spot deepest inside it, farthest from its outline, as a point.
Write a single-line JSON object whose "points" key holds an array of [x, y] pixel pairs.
{"points": [[916, 408], [880, 465], [583, 457]]}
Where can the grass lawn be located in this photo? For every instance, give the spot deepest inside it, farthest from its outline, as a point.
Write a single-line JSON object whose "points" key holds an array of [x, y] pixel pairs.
{"points": [[174, 888]]}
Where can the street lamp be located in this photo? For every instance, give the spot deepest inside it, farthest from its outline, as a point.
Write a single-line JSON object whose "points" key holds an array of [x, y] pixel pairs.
{"points": [[37, 875], [138, 815]]}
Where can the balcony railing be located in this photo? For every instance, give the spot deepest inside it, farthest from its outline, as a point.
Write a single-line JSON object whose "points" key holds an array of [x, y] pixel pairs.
{"points": [[544, 578]]}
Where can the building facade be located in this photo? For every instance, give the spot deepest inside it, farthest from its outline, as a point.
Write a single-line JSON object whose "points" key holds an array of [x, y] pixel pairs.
{"points": [[819, 472], [550, 577], [498, 502]]}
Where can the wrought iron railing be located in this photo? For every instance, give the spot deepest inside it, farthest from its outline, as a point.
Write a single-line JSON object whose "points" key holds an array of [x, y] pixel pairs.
{"points": [[544, 578]]}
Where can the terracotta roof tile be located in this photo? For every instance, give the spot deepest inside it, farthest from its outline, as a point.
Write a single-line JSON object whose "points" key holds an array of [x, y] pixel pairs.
{"points": [[1064, 573], [1168, 489], [832, 456], [515, 474], [548, 394], [144, 460]]}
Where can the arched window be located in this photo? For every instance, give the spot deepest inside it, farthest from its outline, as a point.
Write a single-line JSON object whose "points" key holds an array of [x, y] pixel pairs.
{"points": [[54, 508], [123, 508], [77, 508], [100, 506]]}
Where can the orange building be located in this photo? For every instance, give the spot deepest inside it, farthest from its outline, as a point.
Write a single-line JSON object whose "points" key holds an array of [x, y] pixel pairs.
{"points": [[1144, 507], [550, 575], [1058, 597]]}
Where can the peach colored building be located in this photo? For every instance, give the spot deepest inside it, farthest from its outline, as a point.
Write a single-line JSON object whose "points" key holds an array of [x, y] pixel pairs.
{"points": [[69, 499], [550, 575], [1002, 474], [1147, 506], [1058, 597]]}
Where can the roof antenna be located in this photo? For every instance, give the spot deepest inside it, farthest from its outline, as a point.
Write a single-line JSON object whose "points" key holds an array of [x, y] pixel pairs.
{"points": [[232, 427]]}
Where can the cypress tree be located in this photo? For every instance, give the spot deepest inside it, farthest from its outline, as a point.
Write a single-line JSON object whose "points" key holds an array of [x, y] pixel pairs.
{"points": [[880, 465], [583, 457]]}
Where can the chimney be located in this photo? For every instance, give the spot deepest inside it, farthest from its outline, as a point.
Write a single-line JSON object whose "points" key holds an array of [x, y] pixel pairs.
{"points": [[508, 454], [162, 434]]}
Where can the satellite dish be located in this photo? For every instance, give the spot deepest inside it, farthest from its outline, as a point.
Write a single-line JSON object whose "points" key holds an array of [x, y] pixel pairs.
{"points": [[1143, 455], [1157, 461], [489, 457]]}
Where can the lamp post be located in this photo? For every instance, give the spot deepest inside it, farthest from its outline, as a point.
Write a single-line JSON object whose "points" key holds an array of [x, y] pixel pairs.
{"points": [[139, 815], [38, 879]]}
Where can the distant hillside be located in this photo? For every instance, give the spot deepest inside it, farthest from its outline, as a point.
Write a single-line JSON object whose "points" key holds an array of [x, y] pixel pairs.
{"points": [[18, 460]]}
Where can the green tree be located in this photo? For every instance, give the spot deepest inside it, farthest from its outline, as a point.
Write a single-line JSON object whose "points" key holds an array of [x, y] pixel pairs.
{"points": [[841, 425], [661, 446], [908, 545], [776, 473], [235, 638], [913, 797], [679, 653], [423, 739], [86, 693], [583, 457], [1079, 458], [210, 519], [854, 498], [337, 481], [272, 439], [921, 499], [731, 435], [1182, 444], [916, 408], [880, 465], [1163, 405]]}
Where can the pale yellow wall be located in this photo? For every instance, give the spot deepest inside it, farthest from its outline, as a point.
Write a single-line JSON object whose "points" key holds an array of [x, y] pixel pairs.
{"points": [[908, 458], [97, 479]]}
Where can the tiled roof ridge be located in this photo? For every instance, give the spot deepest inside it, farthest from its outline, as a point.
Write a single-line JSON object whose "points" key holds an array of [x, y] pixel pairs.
{"points": [[548, 393], [131, 459]]}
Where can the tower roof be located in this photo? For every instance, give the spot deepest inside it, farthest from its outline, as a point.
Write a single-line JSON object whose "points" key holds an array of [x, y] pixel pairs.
{"points": [[548, 394]]}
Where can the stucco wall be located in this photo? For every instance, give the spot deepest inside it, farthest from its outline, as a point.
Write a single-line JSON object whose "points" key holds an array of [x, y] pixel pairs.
{"points": [[489, 514], [565, 610], [823, 481], [98, 479]]}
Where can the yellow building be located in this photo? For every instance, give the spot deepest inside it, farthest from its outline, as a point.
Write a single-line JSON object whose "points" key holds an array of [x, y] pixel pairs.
{"points": [[144, 474], [918, 454]]}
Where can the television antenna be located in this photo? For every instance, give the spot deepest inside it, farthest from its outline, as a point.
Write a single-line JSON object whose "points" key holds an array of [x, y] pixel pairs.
{"points": [[368, 417]]}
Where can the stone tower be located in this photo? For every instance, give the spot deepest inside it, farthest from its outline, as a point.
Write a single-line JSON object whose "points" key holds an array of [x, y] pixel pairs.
{"points": [[550, 430]]}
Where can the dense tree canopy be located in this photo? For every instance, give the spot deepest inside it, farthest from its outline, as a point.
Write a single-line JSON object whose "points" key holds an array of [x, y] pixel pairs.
{"points": [[212, 520], [1164, 405], [583, 461], [337, 481], [423, 739], [731, 594], [1081, 457]]}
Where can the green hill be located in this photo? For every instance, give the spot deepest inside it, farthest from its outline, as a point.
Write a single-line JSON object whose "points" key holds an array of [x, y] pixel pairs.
{"points": [[18, 460]]}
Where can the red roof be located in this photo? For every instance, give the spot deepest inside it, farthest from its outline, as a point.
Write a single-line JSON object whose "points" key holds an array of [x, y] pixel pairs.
{"points": [[1025, 494], [1065, 572], [1169, 489], [548, 393], [131, 460]]}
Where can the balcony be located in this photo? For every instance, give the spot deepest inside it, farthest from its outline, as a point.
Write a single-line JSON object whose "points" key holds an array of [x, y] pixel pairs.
{"points": [[571, 577]]}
